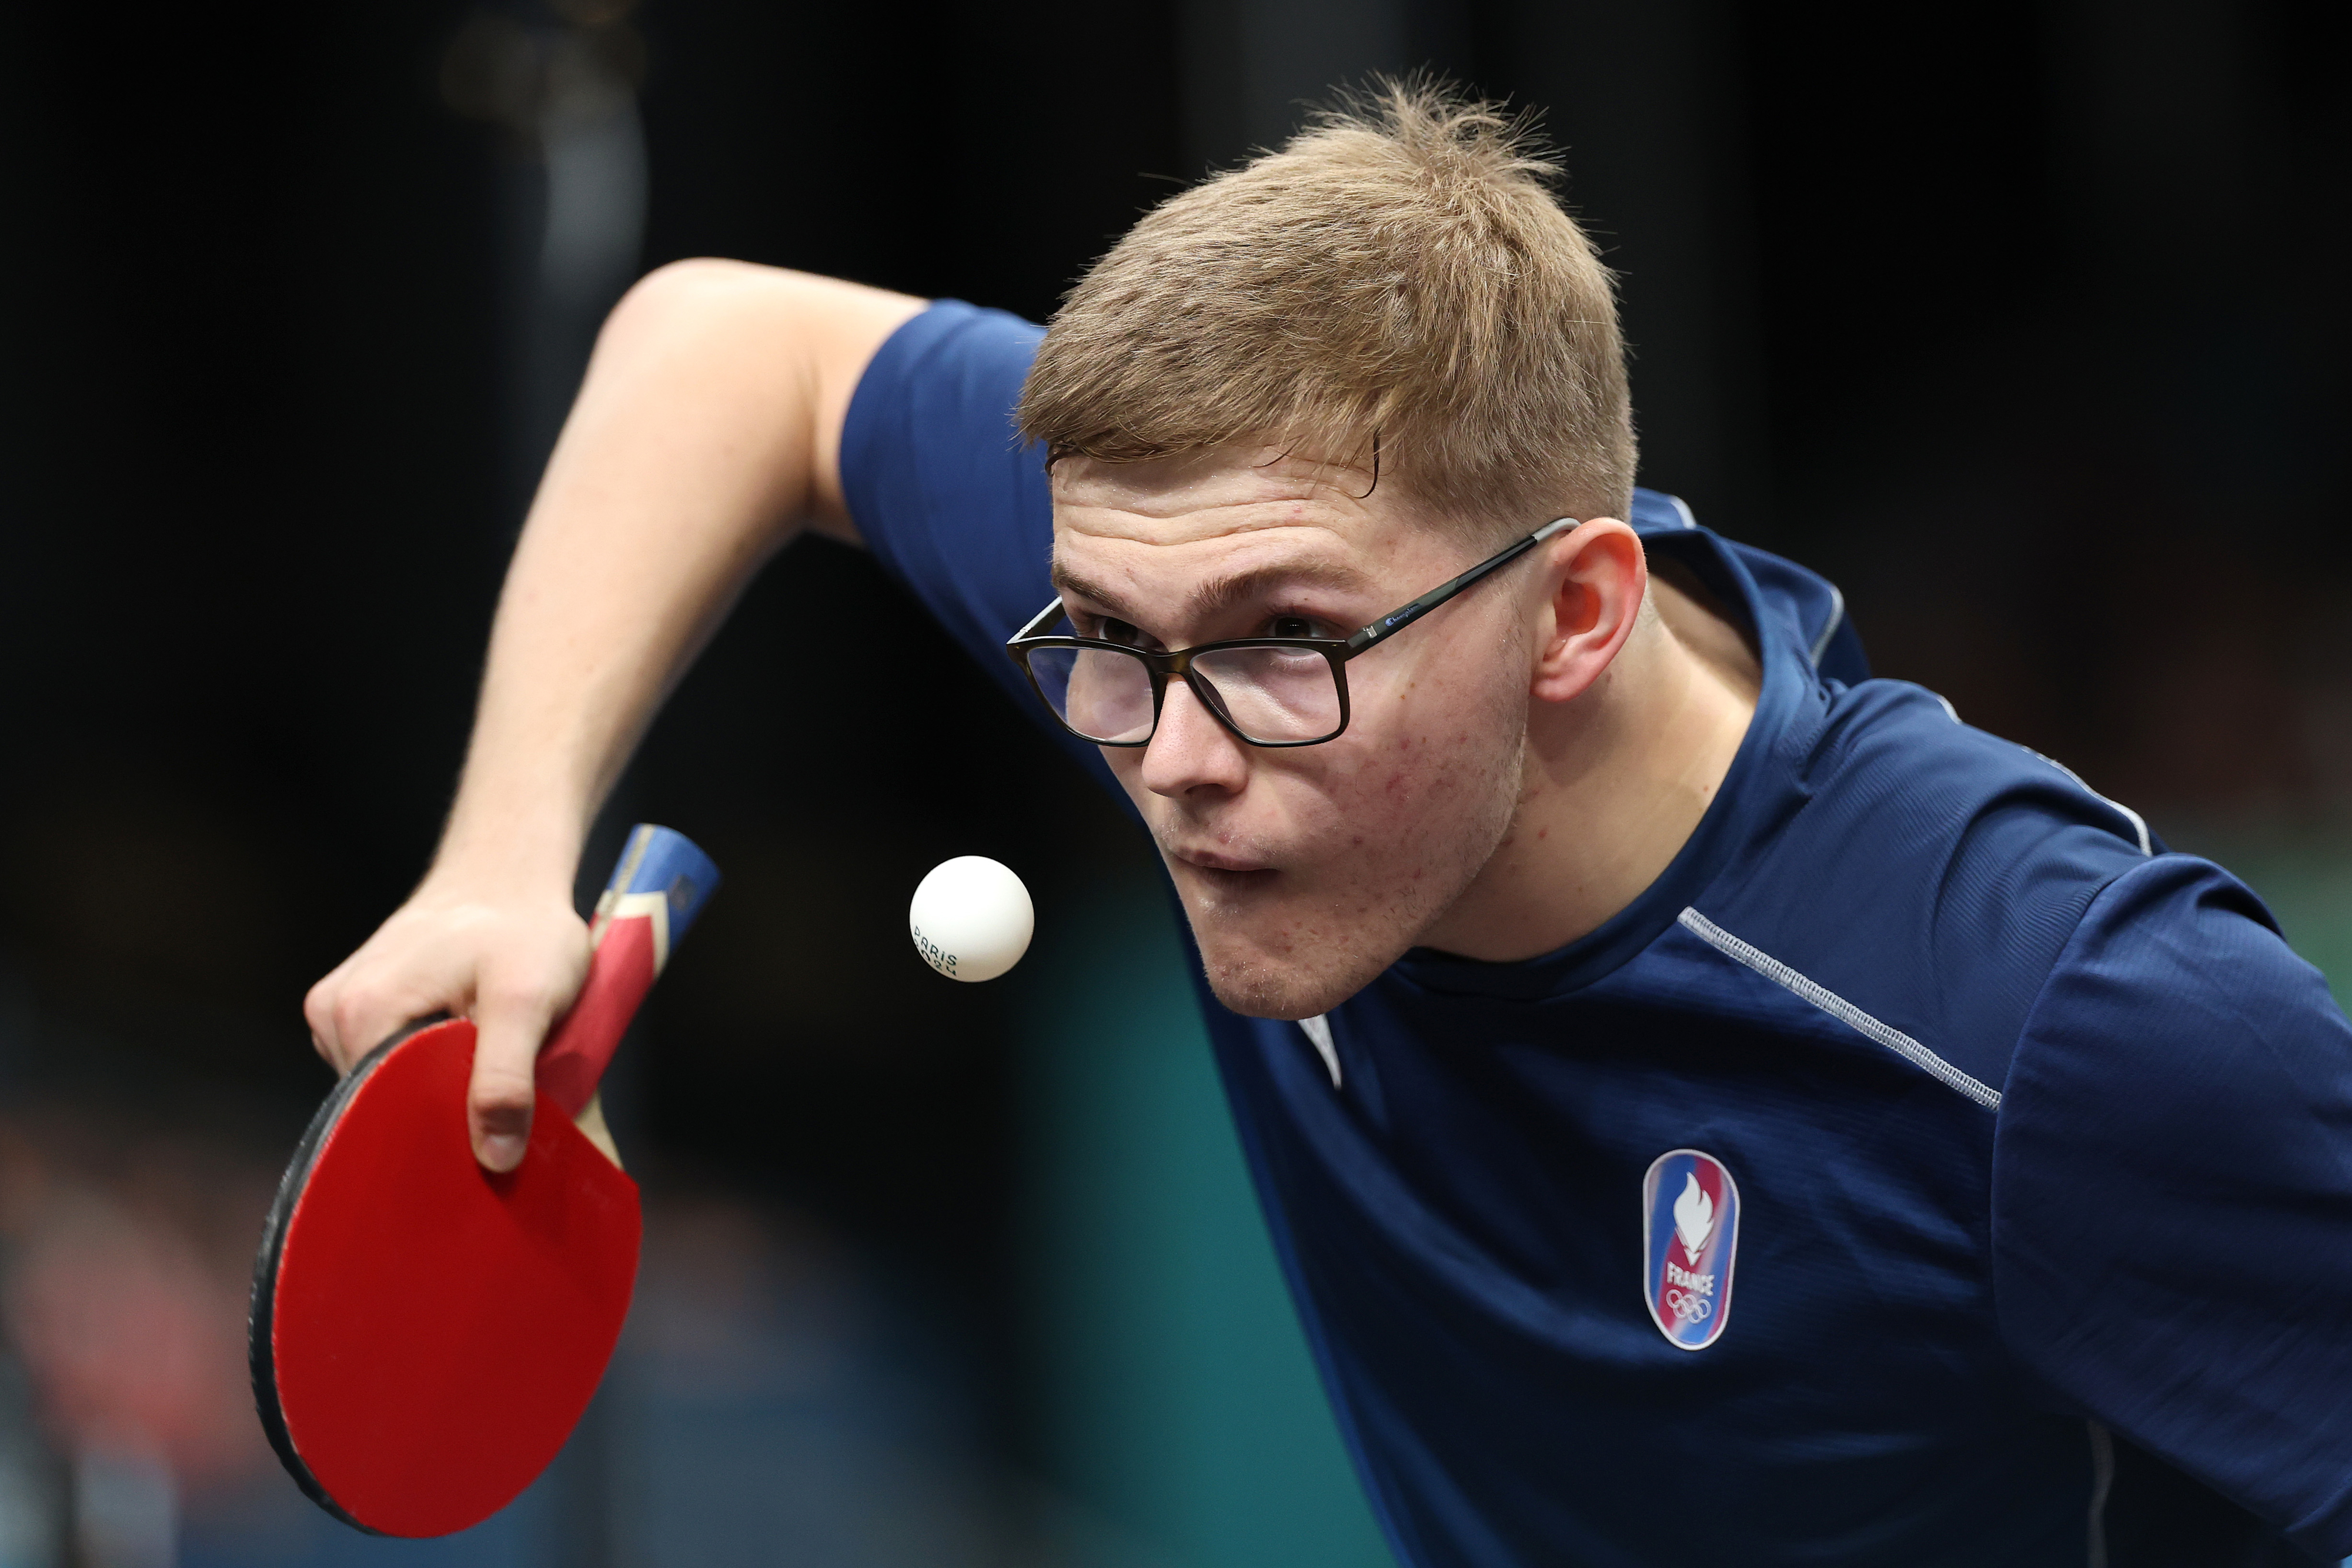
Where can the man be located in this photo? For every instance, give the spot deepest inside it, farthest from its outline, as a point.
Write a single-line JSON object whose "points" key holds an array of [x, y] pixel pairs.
{"points": [[1710, 1106]]}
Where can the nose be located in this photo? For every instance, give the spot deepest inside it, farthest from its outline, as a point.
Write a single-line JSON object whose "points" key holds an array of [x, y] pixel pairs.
{"points": [[1189, 750]]}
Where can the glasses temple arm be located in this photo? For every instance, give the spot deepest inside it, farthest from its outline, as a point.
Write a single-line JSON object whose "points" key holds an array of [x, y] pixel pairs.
{"points": [[1036, 624], [1398, 620]]}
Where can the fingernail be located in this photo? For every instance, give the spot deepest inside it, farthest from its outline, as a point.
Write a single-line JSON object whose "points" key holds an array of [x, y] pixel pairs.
{"points": [[502, 1150]]}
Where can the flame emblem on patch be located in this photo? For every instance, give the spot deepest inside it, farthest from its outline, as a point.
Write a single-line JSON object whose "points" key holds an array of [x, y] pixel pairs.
{"points": [[1690, 1240], [1693, 1216]]}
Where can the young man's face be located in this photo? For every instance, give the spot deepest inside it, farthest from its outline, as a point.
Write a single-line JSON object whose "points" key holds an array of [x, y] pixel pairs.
{"points": [[1305, 871]]}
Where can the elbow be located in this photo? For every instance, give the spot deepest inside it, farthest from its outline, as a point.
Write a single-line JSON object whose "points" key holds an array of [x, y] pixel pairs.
{"points": [[709, 299], [684, 289]]}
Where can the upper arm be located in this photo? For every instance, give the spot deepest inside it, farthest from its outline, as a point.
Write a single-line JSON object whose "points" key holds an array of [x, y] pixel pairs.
{"points": [[950, 498], [789, 345], [2172, 1194]]}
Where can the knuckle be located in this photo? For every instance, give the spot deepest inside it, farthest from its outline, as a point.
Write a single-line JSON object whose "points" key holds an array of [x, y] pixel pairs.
{"points": [[527, 989], [510, 997], [501, 1114], [319, 1009], [503, 1095], [347, 1015], [504, 1056], [504, 1071]]}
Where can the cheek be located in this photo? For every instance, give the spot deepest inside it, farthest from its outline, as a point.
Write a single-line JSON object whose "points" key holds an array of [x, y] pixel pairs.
{"points": [[1428, 741], [1425, 788]]}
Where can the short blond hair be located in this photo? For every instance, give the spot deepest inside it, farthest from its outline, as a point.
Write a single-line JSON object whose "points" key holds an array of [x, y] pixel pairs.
{"points": [[1396, 289]]}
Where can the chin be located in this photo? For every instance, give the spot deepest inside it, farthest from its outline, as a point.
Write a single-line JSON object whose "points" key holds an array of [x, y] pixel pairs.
{"points": [[1255, 982], [1271, 948], [1268, 953]]}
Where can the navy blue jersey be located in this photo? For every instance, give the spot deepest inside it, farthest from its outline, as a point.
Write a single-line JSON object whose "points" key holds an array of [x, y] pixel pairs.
{"points": [[1927, 1168]]}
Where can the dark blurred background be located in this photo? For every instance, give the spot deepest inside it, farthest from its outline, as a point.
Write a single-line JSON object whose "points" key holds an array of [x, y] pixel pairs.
{"points": [[2025, 321]]}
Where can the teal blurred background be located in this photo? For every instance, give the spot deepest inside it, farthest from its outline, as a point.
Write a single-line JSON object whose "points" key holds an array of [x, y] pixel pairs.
{"points": [[1183, 1407]]}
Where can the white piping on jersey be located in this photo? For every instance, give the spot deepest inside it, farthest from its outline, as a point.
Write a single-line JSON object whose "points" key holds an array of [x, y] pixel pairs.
{"points": [[1838, 1008], [2138, 823], [1318, 1031], [1682, 510], [1949, 711], [1837, 618], [2102, 1482]]}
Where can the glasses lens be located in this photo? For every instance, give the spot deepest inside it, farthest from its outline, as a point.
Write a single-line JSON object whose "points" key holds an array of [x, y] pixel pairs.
{"points": [[1274, 694], [1103, 695]]}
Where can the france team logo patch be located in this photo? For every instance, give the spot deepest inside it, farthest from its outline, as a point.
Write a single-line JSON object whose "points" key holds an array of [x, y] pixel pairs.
{"points": [[1690, 1235]]}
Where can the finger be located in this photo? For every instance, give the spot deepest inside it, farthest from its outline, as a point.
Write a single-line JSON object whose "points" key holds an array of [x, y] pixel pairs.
{"points": [[320, 1008], [349, 1017], [508, 1030], [319, 1013], [345, 1018]]}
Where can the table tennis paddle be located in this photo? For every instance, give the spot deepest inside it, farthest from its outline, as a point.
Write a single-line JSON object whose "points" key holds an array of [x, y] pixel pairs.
{"points": [[425, 1334]]}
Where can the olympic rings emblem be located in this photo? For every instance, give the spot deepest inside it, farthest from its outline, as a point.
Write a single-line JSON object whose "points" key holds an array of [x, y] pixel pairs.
{"points": [[1689, 1306]]}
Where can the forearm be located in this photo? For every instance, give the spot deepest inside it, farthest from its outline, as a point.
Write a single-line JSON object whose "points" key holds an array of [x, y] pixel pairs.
{"points": [[704, 438], [706, 434]]}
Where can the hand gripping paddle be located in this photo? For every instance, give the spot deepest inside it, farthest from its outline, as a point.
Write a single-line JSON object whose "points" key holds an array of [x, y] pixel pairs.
{"points": [[425, 1334]]}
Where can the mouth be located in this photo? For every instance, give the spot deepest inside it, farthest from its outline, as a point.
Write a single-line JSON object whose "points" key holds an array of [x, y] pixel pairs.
{"points": [[1220, 872], [1207, 859]]}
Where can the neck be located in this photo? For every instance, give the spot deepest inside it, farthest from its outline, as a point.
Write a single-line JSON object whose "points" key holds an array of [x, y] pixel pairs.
{"points": [[1614, 783]]}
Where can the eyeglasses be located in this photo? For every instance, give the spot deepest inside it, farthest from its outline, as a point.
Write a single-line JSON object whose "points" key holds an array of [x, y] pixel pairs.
{"points": [[1269, 691]]}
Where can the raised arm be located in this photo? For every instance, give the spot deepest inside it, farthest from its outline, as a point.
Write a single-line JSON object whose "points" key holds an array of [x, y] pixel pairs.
{"points": [[705, 436]]}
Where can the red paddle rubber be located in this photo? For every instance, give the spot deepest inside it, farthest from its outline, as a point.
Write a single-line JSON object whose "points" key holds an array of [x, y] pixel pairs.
{"points": [[418, 1362]]}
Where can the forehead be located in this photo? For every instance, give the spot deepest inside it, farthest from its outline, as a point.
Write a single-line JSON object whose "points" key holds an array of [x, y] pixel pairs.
{"points": [[1234, 508]]}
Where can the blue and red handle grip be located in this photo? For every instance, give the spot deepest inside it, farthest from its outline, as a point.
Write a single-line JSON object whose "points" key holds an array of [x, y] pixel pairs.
{"points": [[660, 886]]}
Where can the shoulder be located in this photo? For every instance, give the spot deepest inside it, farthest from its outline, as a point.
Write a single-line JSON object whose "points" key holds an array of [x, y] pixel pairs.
{"points": [[950, 361], [1927, 873], [933, 413], [936, 478]]}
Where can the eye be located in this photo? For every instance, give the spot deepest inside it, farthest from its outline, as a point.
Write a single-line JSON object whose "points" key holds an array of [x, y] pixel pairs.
{"points": [[1293, 626], [1115, 631]]}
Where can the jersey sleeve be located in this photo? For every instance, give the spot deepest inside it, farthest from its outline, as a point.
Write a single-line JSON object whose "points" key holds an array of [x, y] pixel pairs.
{"points": [[2172, 1194], [943, 491]]}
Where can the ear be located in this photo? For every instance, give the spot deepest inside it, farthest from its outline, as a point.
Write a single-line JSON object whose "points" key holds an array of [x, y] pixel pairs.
{"points": [[1596, 578]]}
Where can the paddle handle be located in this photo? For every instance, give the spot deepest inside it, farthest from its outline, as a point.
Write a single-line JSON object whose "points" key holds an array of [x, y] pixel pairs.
{"points": [[660, 886]]}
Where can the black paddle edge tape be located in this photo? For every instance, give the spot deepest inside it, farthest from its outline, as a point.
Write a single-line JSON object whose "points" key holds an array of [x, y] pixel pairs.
{"points": [[259, 1348]]}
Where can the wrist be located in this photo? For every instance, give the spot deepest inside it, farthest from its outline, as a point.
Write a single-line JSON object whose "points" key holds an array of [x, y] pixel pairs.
{"points": [[510, 851]]}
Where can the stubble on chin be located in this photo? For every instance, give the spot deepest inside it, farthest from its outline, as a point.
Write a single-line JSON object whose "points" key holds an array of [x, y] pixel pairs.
{"points": [[1255, 986], [1295, 966], [1263, 955]]}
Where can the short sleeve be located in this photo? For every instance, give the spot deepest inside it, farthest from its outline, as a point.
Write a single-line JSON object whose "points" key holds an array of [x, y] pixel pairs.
{"points": [[2172, 1194], [944, 492]]}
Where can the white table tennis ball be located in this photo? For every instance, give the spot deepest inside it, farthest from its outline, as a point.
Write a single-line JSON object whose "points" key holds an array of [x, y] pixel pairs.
{"points": [[971, 919]]}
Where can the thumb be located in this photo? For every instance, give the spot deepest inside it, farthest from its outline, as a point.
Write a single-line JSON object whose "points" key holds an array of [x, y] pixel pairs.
{"points": [[506, 1036]]}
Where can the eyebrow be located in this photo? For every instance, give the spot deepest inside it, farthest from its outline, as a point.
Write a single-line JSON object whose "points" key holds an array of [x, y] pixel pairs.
{"points": [[1219, 594]]}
